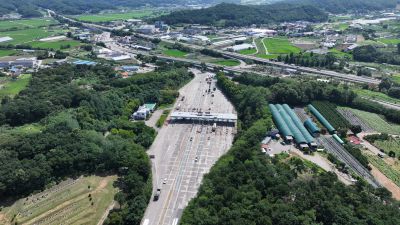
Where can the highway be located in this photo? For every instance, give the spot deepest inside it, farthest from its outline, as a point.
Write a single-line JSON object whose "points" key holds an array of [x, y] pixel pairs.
{"points": [[184, 152]]}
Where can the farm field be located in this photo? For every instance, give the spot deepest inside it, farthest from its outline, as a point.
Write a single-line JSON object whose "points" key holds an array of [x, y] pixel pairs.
{"points": [[262, 52], [80, 201], [280, 46], [389, 145], [26, 24], [340, 54], [342, 26], [376, 95], [389, 41], [57, 45], [107, 17], [227, 62], [6, 52], [330, 112], [28, 35], [13, 87], [175, 53], [396, 78], [377, 122], [391, 171], [353, 119], [248, 51]]}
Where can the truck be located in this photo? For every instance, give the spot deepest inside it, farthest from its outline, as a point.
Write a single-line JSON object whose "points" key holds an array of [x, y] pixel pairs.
{"points": [[157, 194]]}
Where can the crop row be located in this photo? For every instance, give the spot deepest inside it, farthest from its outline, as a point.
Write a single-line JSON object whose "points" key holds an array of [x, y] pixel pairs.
{"points": [[329, 111]]}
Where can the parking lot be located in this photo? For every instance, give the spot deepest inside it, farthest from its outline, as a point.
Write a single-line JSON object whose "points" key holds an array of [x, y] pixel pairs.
{"points": [[184, 152]]}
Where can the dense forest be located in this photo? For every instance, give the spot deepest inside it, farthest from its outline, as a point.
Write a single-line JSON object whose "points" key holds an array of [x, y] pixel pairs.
{"points": [[342, 6], [369, 53], [30, 8], [77, 119], [247, 187], [243, 15]]}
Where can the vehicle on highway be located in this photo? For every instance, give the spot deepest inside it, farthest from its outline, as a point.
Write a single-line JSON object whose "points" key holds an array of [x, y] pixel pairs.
{"points": [[164, 181], [191, 138], [196, 159], [157, 194], [152, 156]]}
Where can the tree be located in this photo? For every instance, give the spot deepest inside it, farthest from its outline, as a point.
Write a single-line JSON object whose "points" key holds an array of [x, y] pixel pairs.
{"points": [[392, 154], [398, 48], [356, 129]]}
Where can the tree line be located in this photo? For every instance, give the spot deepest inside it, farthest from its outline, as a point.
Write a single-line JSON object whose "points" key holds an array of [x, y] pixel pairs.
{"points": [[81, 115], [225, 14], [248, 187]]}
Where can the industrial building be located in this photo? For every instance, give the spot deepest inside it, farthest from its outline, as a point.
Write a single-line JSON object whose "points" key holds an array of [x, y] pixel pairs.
{"points": [[144, 111], [291, 127], [322, 119]]}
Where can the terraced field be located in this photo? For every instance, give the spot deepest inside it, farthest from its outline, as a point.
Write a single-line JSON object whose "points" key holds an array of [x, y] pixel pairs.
{"points": [[81, 201], [377, 122]]}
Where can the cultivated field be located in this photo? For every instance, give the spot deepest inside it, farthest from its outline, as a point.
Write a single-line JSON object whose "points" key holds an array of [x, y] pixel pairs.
{"points": [[55, 44], [376, 95], [175, 53], [7, 52], [81, 201], [391, 171], [26, 24], [329, 111], [390, 41], [354, 120], [262, 53], [377, 122], [107, 17], [28, 35], [389, 145], [280, 46], [248, 51], [11, 88]]}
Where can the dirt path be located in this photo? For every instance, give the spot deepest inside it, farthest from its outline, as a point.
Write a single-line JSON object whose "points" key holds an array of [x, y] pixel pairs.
{"points": [[105, 215], [386, 182], [324, 164]]}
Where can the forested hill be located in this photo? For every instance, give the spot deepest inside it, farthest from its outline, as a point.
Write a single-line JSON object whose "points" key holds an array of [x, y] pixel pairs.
{"points": [[342, 6], [241, 15], [30, 8]]}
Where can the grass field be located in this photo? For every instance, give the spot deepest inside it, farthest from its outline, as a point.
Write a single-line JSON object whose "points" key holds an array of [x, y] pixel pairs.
{"points": [[6, 52], [54, 44], [262, 52], [107, 17], [342, 26], [389, 41], [248, 51], [28, 35], [340, 54], [227, 62], [13, 87], [376, 95], [81, 201], [377, 122], [175, 53], [162, 118], [24, 24], [280, 46], [396, 78]]}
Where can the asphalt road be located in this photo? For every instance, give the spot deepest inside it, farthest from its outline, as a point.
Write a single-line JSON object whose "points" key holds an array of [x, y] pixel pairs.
{"points": [[185, 152]]}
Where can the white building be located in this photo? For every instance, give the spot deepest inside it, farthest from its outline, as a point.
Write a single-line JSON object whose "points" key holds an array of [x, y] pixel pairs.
{"points": [[240, 47], [146, 29]]}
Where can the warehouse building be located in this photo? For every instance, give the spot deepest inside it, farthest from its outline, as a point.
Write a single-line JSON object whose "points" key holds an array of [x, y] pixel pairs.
{"points": [[281, 124]]}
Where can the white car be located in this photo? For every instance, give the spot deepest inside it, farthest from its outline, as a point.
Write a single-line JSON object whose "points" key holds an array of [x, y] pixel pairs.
{"points": [[164, 181]]}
